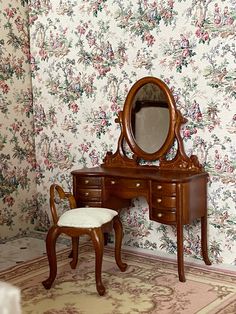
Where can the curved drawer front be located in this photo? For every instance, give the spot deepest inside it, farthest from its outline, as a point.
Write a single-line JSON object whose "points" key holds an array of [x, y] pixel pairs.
{"points": [[164, 188], [120, 183], [163, 216], [163, 201]]}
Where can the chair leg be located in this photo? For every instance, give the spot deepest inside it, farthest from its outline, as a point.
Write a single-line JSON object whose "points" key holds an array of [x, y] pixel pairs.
{"points": [[75, 250], [118, 241], [51, 239], [98, 242]]}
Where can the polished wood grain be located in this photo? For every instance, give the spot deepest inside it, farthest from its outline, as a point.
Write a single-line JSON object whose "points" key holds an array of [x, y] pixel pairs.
{"points": [[175, 189], [96, 234], [174, 197]]}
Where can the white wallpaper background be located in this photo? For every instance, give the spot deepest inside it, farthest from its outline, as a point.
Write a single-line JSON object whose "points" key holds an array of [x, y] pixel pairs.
{"points": [[85, 56]]}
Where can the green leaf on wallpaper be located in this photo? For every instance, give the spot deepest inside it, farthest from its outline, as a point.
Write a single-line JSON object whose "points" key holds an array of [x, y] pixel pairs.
{"points": [[217, 226], [24, 2], [207, 71], [6, 187], [3, 141], [19, 153], [231, 222]]}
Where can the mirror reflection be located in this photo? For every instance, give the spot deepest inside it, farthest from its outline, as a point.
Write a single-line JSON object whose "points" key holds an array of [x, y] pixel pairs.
{"points": [[150, 118]]}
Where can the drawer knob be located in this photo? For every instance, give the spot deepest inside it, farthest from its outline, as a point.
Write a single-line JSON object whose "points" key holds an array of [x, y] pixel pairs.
{"points": [[159, 215], [86, 181], [159, 200], [87, 194], [138, 184], [159, 187], [113, 182]]}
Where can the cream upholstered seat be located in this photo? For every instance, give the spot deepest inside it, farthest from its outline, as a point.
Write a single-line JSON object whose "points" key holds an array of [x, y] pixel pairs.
{"points": [[79, 221], [86, 217]]}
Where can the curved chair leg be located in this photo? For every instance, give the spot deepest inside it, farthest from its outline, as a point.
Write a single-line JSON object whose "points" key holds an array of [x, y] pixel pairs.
{"points": [[75, 250], [98, 242], [51, 239], [118, 241]]}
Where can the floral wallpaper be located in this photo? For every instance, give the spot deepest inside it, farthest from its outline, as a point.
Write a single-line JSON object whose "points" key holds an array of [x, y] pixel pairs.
{"points": [[85, 56], [18, 200]]}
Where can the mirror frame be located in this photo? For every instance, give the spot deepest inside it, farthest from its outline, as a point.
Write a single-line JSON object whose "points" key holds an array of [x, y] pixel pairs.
{"points": [[120, 159], [127, 119]]}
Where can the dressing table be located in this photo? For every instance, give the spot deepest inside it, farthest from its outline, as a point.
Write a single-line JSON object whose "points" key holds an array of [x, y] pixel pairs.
{"points": [[175, 188]]}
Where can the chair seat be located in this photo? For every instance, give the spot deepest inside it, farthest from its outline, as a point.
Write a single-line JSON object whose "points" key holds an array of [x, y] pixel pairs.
{"points": [[86, 217]]}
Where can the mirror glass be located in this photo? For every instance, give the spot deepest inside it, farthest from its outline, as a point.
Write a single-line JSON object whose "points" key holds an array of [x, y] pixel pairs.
{"points": [[150, 118]]}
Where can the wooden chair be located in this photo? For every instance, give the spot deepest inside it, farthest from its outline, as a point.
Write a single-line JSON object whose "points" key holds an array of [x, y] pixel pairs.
{"points": [[80, 221]]}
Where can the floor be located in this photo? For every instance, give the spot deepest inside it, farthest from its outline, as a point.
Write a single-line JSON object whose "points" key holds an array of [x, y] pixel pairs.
{"points": [[20, 250], [17, 251]]}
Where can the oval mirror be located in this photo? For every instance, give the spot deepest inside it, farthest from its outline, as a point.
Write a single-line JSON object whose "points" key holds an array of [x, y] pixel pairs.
{"points": [[149, 117]]}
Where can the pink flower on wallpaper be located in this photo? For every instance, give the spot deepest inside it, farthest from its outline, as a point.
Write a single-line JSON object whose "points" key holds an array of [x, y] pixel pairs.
{"points": [[149, 39], [187, 133], [202, 35], [19, 24], [198, 32], [74, 107], [48, 164], [185, 53], [103, 122], [4, 87], [81, 30], [16, 126], [205, 36], [115, 107], [43, 53], [32, 19], [26, 50], [85, 147], [10, 12], [9, 201], [167, 14], [177, 62]]}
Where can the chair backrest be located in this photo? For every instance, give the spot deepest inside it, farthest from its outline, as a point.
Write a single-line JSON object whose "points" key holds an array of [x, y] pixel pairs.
{"points": [[62, 195]]}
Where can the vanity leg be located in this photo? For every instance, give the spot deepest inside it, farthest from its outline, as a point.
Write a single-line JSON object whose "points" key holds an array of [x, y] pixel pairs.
{"points": [[180, 238], [180, 252], [204, 240]]}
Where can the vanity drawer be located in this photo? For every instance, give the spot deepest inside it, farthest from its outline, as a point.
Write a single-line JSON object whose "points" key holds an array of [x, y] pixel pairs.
{"points": [[133, 184], [89, 194], [164, 188], [163, 216], [90, 182], [159, 201]]}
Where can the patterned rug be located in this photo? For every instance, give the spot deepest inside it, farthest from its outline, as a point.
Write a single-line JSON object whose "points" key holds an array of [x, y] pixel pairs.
{"points": [[149, 285]]}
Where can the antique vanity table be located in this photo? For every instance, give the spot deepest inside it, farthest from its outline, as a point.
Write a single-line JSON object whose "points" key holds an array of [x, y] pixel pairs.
{"points": [[175, 188]]}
